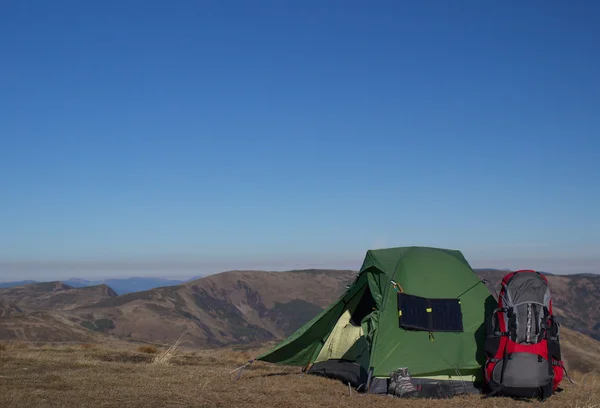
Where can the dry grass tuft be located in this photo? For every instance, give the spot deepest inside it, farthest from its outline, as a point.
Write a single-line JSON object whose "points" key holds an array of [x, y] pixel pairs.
{"points": [[3, 347], [165, 356], [588, 392], [147, 349]]}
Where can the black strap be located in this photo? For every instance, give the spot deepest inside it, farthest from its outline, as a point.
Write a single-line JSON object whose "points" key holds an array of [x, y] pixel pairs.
{"points": [[495, 391], [504, 360], [549, 351], [498, 334], [550, 360], [429, 318], [510, 311]]}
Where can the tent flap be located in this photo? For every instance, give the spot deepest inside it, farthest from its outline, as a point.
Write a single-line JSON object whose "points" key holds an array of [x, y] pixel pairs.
{"points": [[303, 346]]}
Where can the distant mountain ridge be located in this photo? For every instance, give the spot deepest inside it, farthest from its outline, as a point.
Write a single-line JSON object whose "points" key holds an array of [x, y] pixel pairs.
{"points": [[120, 286], [16, 283], [138, 284]]}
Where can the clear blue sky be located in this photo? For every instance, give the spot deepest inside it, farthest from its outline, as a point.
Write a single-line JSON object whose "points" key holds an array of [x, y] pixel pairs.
{"points": [[230, 134]]}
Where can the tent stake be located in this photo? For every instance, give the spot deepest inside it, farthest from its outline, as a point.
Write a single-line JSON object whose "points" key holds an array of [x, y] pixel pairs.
{"points": [[241, 369]]}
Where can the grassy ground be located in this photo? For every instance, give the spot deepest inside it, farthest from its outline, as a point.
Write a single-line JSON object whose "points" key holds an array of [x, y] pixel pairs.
{"points": [[125, 376]]}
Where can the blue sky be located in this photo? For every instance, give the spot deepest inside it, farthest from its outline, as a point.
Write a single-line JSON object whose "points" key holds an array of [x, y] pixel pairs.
{"points": [[234, 134]]}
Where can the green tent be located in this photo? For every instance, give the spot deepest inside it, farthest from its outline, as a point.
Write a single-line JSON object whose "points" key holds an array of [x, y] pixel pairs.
{"points": [[418, 308]]}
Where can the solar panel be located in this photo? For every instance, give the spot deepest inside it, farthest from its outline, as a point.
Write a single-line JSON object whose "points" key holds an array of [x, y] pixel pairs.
{"points": [[429, 314]]}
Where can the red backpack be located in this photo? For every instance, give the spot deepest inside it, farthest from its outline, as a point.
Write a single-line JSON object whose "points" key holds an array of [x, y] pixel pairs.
{"points": [[523, 357]]}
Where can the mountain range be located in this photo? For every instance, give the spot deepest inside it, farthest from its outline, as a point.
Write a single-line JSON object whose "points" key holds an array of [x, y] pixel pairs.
{"points": [[221, 309], [123, 286], [231, 308], [120, 286]]}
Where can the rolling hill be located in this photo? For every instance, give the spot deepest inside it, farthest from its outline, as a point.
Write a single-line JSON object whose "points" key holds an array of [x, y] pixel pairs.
{"points": [[38, 312], [222, 309], [120, 286], [54, 296], [227, 308], [43, 327], [16, 283]]}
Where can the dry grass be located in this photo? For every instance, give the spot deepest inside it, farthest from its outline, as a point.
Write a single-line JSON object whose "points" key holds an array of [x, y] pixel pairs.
{"points": [[73, 376], [19, 344], [165, 356], [147, 349], [12, 345]]}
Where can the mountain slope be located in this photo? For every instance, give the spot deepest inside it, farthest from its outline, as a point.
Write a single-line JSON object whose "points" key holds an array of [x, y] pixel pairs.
{"points": [[127, 285], [226, 308], [54, 296], [43, 326], [580, 352], [8, 308], [39, 311]]}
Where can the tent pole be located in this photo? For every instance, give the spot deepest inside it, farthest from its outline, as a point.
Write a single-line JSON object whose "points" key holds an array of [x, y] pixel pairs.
{"points": [[369, 380]]}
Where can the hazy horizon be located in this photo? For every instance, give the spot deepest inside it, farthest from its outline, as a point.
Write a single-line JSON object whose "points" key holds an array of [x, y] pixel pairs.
{"points": [[186, 269]]}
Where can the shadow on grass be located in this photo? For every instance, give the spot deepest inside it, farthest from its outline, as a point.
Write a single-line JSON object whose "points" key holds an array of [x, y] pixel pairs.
{"points": [[282, 374], [122, 358]]}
